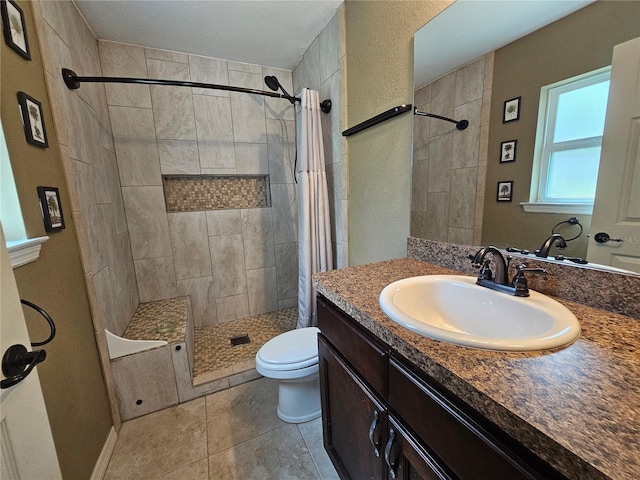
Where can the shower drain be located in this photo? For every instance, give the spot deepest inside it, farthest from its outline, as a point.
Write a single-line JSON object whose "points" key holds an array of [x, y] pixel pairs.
{"points": [[239, 340]]}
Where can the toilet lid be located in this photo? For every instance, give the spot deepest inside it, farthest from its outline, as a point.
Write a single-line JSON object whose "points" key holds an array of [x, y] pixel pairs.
{"points": [[296, 347]]}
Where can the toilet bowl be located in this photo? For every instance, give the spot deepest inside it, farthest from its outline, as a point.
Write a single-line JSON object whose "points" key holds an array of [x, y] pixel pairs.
{"points": [[292, 358]]}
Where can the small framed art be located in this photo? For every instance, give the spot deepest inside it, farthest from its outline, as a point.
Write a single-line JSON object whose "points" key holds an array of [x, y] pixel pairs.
{"points": [[511, 110], [33, 121], [508, 151], [15, 33], [505, 191], [51, 208]]}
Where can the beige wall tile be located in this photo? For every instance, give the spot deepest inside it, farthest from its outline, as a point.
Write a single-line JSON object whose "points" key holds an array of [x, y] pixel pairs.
{"points": [[147, 220], [146, 376], [470, 82], [120, 60], [257, 235], [179, 157], [156, 279], [214, 131], [166, 55], [263, 290], [224, 222], [463, 198], [190, 244], [440, 151], [287, 270], [248, 118], [442, 102], [227, 260], [281, 138], [168, 70], [284, 210], [209, 70], [232, 308], [134, 136], [173, 113], [252, 158], [203, 299]]}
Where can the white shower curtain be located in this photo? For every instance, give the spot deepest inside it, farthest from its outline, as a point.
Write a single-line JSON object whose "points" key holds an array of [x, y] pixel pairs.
{"points": [[314, 229]]}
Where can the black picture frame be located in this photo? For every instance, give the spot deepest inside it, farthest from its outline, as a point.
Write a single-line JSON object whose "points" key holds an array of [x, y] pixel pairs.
{"points": [[51, 208], [33, 121], [508, 151], [14, 29], [511, 111], [504, 192]]}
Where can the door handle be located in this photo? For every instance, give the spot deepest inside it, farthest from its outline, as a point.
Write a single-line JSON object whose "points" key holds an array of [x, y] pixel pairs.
{"points": [[603, 237], [372, 433], [387, 453], [17, 363]]}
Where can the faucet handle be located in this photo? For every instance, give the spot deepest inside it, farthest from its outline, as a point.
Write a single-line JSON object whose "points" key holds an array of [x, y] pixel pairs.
{"points": [[520, 280]]}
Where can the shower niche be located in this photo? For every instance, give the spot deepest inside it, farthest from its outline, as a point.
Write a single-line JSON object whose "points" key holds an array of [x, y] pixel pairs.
{"points": [[189, 193]]}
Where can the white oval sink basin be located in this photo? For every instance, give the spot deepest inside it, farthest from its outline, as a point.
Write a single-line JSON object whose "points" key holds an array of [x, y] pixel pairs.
{"points": [[454, 309]]}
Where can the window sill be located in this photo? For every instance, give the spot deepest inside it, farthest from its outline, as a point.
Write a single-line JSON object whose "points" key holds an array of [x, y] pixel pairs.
{"points": [[22, 252], [538, 207]]}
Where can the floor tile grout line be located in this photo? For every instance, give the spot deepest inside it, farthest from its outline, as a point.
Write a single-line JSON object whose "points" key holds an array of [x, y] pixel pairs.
{"points": [[313, 458]]}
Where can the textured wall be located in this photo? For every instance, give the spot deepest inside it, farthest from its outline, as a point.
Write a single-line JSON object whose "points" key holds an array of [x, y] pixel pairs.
{"points": [[576, 44], [71, 378], [380, 76]]}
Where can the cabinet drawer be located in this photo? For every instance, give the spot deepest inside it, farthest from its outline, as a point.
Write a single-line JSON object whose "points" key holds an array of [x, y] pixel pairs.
{"points": [[368, 359], [467, 449]]}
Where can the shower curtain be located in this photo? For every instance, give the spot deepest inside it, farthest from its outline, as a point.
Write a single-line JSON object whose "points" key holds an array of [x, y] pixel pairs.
{"points": [[314, 230]]}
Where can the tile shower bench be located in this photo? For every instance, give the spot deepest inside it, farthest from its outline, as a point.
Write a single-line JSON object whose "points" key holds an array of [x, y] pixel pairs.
{"points": [[159, 377]]}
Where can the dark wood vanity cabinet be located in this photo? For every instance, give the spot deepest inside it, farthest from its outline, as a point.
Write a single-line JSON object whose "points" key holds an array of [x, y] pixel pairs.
{"points": [[382, 419]]}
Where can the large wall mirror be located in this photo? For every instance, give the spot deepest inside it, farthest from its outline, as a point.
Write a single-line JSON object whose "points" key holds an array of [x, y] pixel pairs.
{"points": [[472, 58]]}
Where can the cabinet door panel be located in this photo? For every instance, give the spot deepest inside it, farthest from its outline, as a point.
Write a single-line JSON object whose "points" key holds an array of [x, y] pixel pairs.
{"points": [[353, 420], [369, 360], [465, 448], [407, 460]]}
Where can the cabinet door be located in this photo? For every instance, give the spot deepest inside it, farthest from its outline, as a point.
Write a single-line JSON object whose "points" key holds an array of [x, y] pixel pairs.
{"points": [[354, 422], [406, 459]]}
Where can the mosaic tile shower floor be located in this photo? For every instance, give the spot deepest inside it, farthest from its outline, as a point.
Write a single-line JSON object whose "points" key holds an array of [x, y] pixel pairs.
{"points": [[216, 358]]}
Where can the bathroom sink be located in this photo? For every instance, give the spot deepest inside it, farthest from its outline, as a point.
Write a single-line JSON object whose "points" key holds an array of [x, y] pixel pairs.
{"points": [[454, 309]]}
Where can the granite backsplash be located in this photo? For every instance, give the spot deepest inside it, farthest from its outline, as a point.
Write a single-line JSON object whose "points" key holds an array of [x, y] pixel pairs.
{"points": [[614, 292]]}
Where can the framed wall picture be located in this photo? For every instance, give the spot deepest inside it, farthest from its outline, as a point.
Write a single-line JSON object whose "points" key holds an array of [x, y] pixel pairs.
{"points": [[51, 208], [508, 151], [15, 33], [511, 110], [505, 191], [33, 120]]}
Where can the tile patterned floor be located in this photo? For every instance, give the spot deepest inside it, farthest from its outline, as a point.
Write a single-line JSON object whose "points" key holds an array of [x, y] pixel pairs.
{"points": [[232, 435], [216, 358]]}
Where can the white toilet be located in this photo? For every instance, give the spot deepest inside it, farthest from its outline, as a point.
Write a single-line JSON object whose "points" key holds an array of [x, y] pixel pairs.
{"points": [[292, 358]]}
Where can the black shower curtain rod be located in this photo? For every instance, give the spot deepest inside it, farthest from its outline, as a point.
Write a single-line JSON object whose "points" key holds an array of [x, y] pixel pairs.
{"points": [[394, 112], [73, 81], [460, 124]]}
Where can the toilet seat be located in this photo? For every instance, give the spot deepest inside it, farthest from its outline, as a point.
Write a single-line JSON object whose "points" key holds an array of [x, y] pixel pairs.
{"points": [[292, 354]]}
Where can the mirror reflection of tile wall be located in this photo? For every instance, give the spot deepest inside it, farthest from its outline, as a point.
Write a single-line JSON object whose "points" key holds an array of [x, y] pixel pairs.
{"points": [[449, 165]]}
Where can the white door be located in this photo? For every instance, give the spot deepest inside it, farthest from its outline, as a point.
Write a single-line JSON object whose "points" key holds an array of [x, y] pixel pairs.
{"points": [[26, 445], [616, 212]]}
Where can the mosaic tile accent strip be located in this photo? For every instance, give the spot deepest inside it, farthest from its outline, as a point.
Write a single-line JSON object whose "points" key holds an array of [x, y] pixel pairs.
{"points": [[144, 323], [188, 193], [216, 358]]}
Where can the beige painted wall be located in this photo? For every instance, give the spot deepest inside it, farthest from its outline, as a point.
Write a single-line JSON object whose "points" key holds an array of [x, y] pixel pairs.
{"points": [[579, 43], [379, 77], [71, 379]]}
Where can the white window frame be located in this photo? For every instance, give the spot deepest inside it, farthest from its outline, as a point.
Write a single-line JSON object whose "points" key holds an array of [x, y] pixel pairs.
{"points": [[544, 148], [22, 250]]}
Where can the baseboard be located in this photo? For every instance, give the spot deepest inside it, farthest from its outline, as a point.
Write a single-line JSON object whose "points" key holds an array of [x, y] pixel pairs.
{"points": [[105, 456]]}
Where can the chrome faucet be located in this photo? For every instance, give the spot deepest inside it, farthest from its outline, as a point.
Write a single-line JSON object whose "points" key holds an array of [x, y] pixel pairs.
{"points": [[556, 239], [500, 280]]}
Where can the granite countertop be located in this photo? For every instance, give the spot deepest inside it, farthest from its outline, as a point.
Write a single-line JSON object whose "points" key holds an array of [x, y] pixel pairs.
{"points": [[577, 407]]}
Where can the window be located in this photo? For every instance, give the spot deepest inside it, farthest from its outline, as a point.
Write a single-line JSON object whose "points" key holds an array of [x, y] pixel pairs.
{"points": [[568, 142], [22, 250]]}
